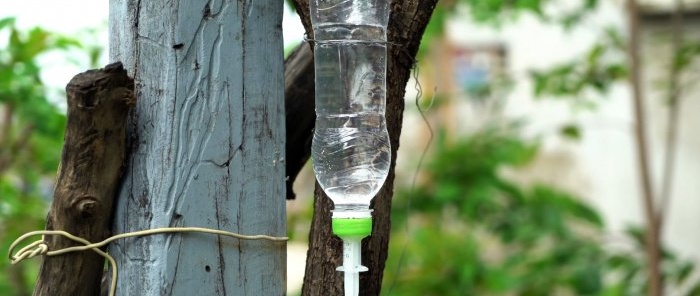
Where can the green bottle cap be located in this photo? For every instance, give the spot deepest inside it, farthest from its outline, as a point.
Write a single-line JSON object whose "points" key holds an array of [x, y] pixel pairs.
{"points": [[352, 227]]}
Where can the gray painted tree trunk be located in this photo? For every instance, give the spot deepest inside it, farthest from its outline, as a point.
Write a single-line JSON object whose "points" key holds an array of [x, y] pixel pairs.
{"points": [[206, 146]]}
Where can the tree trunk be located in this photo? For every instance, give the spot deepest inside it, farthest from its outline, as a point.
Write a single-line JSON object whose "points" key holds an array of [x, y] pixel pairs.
{"points": [[407, 23], [652, 240], [299, 111], [93, 155], [207, 146]]}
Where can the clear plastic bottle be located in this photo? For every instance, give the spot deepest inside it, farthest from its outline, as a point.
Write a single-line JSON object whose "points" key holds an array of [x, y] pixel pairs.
{"points": [[350, 150]]}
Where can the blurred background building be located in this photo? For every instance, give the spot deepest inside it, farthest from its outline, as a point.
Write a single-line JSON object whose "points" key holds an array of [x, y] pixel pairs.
{"points": [[469, 72]]}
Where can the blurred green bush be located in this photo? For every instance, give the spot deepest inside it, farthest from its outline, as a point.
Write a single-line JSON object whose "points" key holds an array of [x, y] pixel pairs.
{"points": [[31, 136], [473, 232]]}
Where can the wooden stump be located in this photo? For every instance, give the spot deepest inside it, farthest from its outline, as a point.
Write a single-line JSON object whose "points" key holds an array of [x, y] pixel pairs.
{"points": [[91, 164]]}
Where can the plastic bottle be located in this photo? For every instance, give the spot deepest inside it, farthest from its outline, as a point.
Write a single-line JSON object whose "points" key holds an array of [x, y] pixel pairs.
{"points": [[350, 150]]}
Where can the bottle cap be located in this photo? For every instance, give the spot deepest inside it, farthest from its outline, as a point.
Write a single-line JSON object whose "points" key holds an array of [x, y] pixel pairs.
{"points": [[352, 227]]}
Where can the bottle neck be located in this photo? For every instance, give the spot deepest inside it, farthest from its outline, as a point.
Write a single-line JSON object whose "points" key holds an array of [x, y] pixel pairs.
{"points": [[352, 225], [352, 211]]}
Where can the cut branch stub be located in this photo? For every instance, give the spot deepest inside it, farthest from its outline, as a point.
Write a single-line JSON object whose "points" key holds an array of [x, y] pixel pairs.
{"points": [[91, 164]]}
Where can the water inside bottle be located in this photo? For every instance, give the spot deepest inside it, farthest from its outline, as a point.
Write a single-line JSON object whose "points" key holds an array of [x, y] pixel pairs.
{"points": [[351, 157], [351, 150]]}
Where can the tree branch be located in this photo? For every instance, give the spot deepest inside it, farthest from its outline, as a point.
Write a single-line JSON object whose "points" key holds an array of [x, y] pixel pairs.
{"points": [[299, 111], [5, 131], [93, 156], [652, 234], [7, 123]]}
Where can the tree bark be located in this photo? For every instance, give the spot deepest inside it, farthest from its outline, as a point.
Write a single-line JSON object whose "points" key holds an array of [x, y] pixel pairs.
{"points": [[406, 26], [299, 111], [93, 156], [206, 146]]}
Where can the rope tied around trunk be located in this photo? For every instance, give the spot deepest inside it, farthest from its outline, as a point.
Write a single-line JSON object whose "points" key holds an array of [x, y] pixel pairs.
{"points": [[40, 248]]}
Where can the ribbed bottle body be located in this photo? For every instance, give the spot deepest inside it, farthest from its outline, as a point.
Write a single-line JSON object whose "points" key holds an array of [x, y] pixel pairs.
{"points": [[351, 150]]}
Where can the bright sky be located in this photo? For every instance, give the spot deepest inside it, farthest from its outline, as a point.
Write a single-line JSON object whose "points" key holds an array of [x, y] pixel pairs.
{"points": [[72, 17]]}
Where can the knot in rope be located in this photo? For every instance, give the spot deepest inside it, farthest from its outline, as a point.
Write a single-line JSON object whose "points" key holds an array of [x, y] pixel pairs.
{"points": [[40, 247], [30, 251]]}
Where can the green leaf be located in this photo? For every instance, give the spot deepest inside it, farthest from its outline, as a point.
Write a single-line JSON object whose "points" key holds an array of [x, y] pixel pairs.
{"points": [[571, 131], [591, 4], [534, 6], [695, 290], [613, 290], [63, 42], [685, 270], [637, 234], [594, 54], [8, 21], [614, 38], [35, 43], [540, 82], [587, 279], [620, 261], [15, 45], [685, 55], [500, 280]]}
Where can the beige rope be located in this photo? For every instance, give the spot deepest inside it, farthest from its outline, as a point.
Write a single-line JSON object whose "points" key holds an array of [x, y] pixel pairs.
{"points": [[40, 247]]}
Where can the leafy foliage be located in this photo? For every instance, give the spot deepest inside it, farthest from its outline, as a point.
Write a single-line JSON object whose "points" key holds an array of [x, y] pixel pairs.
{"points": [[686, 55], [466, 230], [479, 233], [628, 269], [31, 134], [500, 12], [474, 232], [593, 74]]}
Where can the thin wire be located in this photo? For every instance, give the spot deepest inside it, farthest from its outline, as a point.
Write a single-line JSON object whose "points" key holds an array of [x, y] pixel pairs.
{"points": [[40, 247]]}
